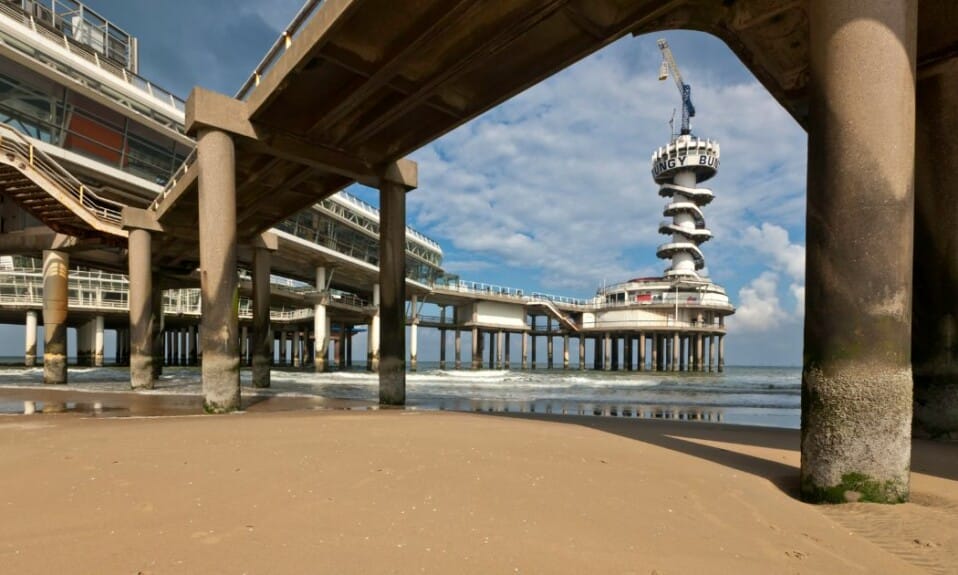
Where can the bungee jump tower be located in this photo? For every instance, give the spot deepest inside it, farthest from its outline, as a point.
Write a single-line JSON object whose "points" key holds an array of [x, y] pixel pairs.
{"points": [[682, 313]]}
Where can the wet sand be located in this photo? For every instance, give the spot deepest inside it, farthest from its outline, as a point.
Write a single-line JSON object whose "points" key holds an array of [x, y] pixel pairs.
{"points": [[440, 492]]}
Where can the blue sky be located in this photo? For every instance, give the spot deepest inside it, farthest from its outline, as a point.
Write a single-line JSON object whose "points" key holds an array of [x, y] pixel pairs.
{"points": [[551, 191]]}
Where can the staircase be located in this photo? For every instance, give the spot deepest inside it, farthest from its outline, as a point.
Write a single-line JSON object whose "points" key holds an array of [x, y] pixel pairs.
{"points": [[50, 193]]}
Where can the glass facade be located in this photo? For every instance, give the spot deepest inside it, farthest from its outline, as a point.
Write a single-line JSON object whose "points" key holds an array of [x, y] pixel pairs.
{"points": [[51, 113]]}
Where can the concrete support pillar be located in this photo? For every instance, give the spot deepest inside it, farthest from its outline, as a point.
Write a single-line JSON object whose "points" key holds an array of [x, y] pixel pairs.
{"points": [[655, 352], [216, 161], [442, 338], [457, 348], [699, 352], [492, 350], [500, 343], [721, 353], [565, 351], [191, 331], [614, 352], [243, 341], [524, 351], [597, 353], [320, 322], [297, 348], [711, 353], [532, 334], [282, 346], [627, 352], [157, 320], [934, 329], [413, 334], [98, 340], [262, 331], [581, 352], [349, 346], [56, 275], [857, 380], [184, 346], [676, 351], [641, 352], [392, 279], [683, 352], [476, 349], [374, 331], [549, 344], [508, 363], [607, 352], [30, 347]]}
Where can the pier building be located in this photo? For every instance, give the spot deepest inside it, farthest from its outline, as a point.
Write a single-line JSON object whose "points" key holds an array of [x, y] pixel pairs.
{"points": [[107, 171]]}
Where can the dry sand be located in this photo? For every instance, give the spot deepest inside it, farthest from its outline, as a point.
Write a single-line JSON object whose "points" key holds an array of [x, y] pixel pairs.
{"points": [[439, 492]]}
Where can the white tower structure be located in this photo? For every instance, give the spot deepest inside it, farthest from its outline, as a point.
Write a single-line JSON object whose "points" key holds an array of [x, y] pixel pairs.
{"points": [[678, 168]]}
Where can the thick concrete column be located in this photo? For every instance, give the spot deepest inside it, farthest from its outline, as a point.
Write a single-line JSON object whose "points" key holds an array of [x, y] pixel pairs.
{"points": [[711, 353], [699, 352], [282, 346], [457, 345], [614, 343], [565, 351], [295, 348], [721, 353], [508, 363], [857, 381], [934, 329], [320, 321], [56, 275], [442, 338], [627, 352], [676, 351], [533, 338], [597, 353], [243, 343], [492, 350], [641, 352], [524, 351], [349, 346], [581, 352], [216, 160], [262, 331], [550, 344], [476, 353], [139, 265], [500, 342], [392, 280], [413, 335], [30, 348], [655, 352], [191, 330], [373, 349], [607, 352], [156, 311]]}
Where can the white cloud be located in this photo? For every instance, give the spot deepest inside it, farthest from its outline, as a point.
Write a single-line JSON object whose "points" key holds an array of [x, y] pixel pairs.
{"points": [[557, 179], [759, 308], [772, 240]]}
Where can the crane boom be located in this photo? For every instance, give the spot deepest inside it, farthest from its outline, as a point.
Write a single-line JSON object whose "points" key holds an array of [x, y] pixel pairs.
{"points": [[685, 91]]}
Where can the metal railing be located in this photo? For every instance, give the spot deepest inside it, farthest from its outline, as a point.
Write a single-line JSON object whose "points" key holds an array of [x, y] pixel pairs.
{"points": [[280, 46], [176, 177], [15, 145], [73, 47]]}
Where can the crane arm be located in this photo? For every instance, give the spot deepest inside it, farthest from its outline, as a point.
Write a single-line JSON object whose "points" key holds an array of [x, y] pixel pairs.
{"points": [[685, 91]]}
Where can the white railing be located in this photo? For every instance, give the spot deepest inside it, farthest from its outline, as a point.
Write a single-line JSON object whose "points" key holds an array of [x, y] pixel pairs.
{"points": [[73, 47]]}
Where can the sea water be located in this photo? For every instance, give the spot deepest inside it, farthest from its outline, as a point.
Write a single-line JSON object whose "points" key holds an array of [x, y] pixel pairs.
{"points": [[765, 396]]}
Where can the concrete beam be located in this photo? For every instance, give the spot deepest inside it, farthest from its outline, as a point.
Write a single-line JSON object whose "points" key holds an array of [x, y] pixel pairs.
{"points": [[140, 219]]}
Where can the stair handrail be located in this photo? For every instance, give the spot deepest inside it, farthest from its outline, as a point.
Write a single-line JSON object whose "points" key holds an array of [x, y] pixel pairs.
{"points": [[12, 141]]}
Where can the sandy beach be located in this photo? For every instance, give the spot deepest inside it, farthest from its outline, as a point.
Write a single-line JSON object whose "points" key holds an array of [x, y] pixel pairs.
{"points": [[442, 492]]}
